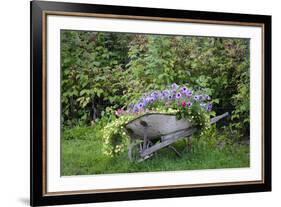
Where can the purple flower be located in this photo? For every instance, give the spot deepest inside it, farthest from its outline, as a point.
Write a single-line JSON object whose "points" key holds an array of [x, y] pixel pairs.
{"points": [[189, 93], [152, 99], [165, 93], [184, 89], [189, 104], [195, 97], [140, 105], [201, 98], [209, 107], [147, 100], [178, 95], [135, 110], [155, 94], [174, 86], [208, 97], [170, 97]]}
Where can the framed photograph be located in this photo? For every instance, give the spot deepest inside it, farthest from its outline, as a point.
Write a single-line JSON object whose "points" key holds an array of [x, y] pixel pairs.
{"points": [[140, 103]]}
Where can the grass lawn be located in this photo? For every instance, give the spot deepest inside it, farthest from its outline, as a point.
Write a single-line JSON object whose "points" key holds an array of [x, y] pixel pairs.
{"points": [[82, 155]]}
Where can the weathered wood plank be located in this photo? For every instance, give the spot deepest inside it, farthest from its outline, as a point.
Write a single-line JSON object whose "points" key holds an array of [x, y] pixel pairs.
{"points": [[181, 133], [217, 118], [170, 138]]}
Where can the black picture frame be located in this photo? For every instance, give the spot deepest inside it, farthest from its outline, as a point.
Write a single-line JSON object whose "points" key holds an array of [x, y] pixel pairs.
{"points": [[39, 10]]}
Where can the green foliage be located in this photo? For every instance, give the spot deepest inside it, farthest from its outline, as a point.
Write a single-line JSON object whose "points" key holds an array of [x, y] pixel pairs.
{"points": [[110, 70], [92, 73], [196, 115], [241, 100], [211, 138], [114, 136]]}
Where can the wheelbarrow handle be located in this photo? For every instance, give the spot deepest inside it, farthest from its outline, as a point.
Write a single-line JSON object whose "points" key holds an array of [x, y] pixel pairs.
{"points": [[217, 118]]}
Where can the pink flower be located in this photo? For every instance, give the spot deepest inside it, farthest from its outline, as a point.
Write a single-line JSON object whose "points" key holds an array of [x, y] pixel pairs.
{"points": [[183, 104], [119, 112]]}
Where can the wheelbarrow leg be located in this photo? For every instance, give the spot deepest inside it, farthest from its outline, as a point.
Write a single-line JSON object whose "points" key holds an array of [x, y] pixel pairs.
{"points": [[174, 149], [189, 144], [145, 141], [130, 150]]}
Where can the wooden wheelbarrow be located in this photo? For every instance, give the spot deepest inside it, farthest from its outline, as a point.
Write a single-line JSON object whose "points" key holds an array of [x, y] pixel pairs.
{"points": [[154, 131]]}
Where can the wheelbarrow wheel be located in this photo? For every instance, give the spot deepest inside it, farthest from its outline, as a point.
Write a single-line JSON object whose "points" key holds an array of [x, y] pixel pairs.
{"points": [[134, 151]]}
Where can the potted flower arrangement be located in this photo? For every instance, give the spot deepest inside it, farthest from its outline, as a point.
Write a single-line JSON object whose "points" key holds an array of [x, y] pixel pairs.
{"points": [[180, 100]]}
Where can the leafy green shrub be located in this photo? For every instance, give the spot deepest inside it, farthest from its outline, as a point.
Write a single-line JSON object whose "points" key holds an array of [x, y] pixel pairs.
{"points": [[101, 70], [115, 138], [213, 139]]}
